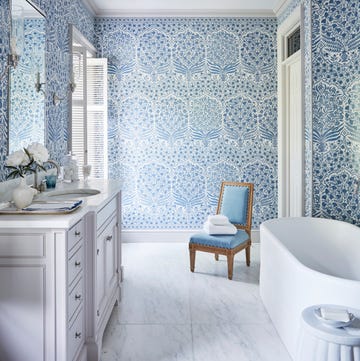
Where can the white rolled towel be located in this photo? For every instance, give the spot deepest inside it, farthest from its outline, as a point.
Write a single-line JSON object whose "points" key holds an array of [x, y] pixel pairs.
{"points": [[218, 220], [212, 229], [335, 314]]}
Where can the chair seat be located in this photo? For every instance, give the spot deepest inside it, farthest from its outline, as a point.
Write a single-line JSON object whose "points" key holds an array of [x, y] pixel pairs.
{"points": [[221, 241]]}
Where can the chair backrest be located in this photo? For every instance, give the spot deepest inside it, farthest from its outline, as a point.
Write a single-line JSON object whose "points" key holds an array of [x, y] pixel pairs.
{"points": [[235, 202]]}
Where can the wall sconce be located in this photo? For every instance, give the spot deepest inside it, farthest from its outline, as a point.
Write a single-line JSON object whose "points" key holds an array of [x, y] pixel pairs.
{"points": [[72, 86], [38, 84], [16, 39]]}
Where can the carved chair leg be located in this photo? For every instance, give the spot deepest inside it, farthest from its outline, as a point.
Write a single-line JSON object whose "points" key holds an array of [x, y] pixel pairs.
{"points": [[247, 252], [216, 256], [192, 258], [230, 261]]}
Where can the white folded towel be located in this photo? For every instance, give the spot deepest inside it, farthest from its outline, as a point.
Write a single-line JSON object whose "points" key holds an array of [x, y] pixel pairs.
{"points": [[334, 314], [212, 229], [218, 220]]}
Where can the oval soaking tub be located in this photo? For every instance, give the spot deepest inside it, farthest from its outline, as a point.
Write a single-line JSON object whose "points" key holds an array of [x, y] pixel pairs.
{"points": [[307, 261]]}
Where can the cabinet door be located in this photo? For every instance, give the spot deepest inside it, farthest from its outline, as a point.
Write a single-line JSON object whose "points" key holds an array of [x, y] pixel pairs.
{"points": [[111, 256], [22, 313], [100, 275]]}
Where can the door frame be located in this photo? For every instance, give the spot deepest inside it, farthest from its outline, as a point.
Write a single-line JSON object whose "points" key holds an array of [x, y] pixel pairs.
{"points": [[295, 20]]}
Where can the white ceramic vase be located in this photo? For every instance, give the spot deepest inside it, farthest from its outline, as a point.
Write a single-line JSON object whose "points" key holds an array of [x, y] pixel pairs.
{"points": [[23, 194]]}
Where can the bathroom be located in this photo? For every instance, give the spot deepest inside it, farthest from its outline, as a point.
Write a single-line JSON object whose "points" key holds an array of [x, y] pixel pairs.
{"points": [[171, 170]]}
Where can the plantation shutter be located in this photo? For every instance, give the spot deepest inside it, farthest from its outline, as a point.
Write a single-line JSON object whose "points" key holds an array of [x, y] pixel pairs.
{"points": [[78, 108], [97, 145]]}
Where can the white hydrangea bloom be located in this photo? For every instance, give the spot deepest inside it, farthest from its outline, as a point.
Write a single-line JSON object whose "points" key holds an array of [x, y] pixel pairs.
{"points": [[38, 152], [17, 158]]}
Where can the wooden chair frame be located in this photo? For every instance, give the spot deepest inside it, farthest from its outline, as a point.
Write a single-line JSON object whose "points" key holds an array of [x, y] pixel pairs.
{"points": [[229, 253]]}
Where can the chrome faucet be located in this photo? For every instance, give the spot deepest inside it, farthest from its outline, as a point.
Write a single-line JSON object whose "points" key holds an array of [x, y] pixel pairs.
{"points": [[54, 163], [36, 176]]}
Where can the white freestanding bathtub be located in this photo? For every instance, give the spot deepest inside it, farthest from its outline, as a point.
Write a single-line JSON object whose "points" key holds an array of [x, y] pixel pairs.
{"points": [[307, 261]]}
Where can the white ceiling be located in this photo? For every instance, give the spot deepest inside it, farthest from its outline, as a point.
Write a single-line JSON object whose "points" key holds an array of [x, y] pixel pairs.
{"points": [[184, 7]]}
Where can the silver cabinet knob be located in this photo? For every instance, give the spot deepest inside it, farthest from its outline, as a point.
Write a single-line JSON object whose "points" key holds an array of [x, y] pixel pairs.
{"points": [[77, 297], [77, 334], [109, 238], [77, 233], [77, 263]]}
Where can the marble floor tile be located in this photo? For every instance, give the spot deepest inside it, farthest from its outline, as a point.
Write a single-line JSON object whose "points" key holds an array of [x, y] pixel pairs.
{"points": [[233, 342], [168, 313], [148, 343]]}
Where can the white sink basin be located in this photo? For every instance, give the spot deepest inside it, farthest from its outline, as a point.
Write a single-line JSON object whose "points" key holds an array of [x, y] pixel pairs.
{"points": [[73, 193]]}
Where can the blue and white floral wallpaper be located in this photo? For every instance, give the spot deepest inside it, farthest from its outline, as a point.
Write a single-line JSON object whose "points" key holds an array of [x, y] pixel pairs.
{"points": [[336, 108], [192, 102], [332, 79]]}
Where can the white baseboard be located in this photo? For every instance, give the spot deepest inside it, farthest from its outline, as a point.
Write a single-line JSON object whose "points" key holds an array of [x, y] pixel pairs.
{"points": [[167, 235]]}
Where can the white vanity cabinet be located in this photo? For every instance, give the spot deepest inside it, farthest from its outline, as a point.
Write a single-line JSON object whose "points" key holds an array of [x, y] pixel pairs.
{"points": [[42, 294], [104, 288], [59, 281]]}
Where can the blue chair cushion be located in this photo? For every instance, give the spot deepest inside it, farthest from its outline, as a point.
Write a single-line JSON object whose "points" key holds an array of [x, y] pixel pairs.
{"points": [[234, 204], [222, 241]]}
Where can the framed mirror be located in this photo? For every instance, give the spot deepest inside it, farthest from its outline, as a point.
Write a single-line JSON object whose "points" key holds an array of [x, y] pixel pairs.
{"points": [[27, 78]]}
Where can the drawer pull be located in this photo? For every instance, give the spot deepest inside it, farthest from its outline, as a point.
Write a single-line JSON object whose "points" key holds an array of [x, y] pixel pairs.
{"points": [[109, 238], [97, 252], [77, 334], [77, 233], [98, 313], [77, 263], [77, 297]]}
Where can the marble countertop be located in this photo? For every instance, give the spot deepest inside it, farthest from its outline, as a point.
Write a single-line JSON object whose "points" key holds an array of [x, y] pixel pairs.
{"points": [[107, 188]]}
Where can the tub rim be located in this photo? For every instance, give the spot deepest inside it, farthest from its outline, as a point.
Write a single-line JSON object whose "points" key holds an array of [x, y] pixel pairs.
{"points": [[296, 261]]}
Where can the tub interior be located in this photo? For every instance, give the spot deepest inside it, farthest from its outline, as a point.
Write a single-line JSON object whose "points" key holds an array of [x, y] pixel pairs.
{"points": [[326, 246]]}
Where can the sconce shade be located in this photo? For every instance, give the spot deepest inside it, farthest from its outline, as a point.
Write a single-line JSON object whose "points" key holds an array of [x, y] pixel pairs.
{"points": [[17, 30]]}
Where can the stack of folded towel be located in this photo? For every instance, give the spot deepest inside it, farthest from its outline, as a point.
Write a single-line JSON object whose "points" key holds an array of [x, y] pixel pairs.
{"points": [[334, 314], [219, 224]]}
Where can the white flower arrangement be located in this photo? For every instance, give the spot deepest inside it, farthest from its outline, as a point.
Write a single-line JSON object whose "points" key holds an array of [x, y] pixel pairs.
{"points": [[27, 160]]}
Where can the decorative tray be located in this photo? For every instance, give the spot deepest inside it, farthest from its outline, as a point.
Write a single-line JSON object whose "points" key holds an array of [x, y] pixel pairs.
{"points": [[51, 207]]}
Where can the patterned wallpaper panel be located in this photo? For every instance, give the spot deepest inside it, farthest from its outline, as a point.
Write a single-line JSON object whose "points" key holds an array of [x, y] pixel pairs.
{"points": [[336, 108], [332, 112], [59, 14], [192, 102], [4, 46], [27, 108]]}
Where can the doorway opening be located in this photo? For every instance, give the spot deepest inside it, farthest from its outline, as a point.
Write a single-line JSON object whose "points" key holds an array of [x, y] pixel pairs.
{"points": [[291, 116]]}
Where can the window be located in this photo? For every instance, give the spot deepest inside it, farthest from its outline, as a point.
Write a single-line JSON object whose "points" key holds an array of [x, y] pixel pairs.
{"points": [[293, 42], [89, 108]]}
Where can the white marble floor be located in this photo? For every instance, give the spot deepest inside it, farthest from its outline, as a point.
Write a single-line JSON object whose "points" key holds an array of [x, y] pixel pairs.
{"points": [[168, 313]]}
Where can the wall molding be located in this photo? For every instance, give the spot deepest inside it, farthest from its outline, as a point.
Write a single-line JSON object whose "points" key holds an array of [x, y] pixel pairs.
{"points": [[90, 5], [281, 6], [188, 13], [167, 235]]}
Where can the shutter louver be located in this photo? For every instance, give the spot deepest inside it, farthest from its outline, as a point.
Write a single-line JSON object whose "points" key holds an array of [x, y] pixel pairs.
{"points": [[78, 115], [97, 144]]}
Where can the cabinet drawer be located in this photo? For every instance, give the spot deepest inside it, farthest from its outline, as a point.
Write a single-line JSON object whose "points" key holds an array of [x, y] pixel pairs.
{"points": [[75, 298], [76, 335], [75, 264], [22, 245], [105, 213], [75, 234]]}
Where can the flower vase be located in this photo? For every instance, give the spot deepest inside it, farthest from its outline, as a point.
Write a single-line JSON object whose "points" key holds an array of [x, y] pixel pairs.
{"points": [[23, 194]]}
